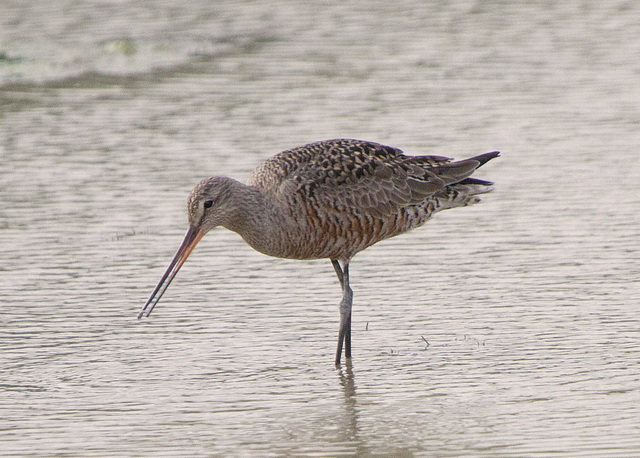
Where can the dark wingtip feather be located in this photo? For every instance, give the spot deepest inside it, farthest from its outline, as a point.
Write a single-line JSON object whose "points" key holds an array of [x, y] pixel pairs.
{"points": [[476, 181], [486, 157]]}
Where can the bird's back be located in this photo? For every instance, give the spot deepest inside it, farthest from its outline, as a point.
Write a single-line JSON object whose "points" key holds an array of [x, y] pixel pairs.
{"points": [[338, 197], [327, 162]]}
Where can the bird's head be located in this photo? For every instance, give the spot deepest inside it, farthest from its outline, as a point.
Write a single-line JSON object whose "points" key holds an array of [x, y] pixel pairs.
{"points": [[211, 203]]}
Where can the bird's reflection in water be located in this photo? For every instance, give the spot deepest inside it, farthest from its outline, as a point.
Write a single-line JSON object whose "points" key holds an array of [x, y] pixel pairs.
{"points": [[349, 432], [347, 382]]}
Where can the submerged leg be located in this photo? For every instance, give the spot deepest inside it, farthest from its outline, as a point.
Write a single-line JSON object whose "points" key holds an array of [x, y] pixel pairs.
{"points": [[344, 335]]}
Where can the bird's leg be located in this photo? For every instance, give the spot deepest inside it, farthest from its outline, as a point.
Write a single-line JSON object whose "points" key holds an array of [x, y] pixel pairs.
{"points": [[344, 335], [338, 269]]}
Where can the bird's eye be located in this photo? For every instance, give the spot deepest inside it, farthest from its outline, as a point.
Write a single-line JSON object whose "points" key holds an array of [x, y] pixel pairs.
{"points": [[208, 203]]}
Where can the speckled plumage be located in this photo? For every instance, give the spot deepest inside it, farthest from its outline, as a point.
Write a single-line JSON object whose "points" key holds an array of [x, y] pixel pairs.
{"points": [[339, 197], [329, 199]]}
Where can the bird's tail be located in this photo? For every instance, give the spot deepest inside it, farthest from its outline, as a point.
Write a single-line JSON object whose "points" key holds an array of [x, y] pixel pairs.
{"points": [[461, 190], [455, 172]]}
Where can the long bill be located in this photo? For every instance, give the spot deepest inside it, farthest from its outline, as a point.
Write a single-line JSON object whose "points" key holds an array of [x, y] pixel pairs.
{"points": [[191, 239]]}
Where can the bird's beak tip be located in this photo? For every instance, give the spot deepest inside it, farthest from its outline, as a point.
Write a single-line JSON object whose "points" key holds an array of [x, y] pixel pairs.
{"points": [[192, 237]]}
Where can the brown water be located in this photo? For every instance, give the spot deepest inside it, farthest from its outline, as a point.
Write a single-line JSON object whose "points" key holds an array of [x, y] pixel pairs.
{"points": [[111, 112]]}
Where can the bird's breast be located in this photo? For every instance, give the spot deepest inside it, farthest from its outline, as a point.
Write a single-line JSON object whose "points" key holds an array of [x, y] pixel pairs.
{"points": [[300, 228]]}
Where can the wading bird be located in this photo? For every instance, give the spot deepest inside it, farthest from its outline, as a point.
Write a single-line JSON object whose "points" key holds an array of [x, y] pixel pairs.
{"points": [[330, 199]]}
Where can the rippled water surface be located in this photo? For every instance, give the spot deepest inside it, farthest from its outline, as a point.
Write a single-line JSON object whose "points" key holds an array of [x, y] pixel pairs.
{"points": [[506, 329]]}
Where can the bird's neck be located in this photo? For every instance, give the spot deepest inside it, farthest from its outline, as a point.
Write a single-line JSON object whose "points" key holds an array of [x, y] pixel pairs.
{"points": [[255, 218]]}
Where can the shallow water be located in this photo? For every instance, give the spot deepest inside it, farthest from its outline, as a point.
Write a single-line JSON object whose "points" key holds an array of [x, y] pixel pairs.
{"points": [[506, 329]]}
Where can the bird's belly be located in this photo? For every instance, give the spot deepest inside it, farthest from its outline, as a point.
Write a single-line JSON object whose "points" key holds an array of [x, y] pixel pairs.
{"points": [[301, 240], [340, 238], [307, 246], [331, 235]]}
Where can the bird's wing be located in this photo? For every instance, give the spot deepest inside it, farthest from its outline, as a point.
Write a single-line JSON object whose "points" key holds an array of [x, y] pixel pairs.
{"points": [[354, 176], [308, 161]]}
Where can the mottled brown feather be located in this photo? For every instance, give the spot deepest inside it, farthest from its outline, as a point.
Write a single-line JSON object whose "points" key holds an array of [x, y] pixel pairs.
{"points": [[360, 191]]}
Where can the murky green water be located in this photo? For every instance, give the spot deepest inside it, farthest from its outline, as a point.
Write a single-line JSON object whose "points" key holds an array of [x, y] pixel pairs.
{"points": [[111, 112]]}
